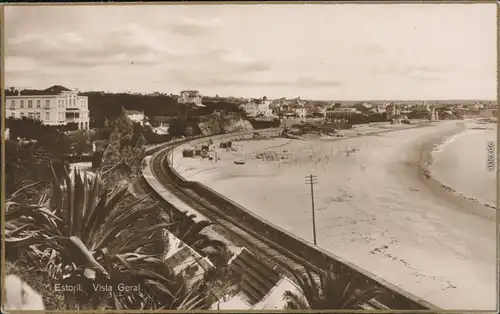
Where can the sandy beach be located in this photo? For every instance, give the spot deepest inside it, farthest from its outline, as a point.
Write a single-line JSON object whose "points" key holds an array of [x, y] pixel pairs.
{"points": [[376, 206]]}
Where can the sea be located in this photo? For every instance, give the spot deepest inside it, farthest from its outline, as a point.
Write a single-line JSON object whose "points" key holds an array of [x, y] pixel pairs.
{"points": [[461, 163]]}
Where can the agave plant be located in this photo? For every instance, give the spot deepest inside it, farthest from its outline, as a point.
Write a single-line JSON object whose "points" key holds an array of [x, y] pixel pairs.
{"points": [[333, 291], [79, 232]]}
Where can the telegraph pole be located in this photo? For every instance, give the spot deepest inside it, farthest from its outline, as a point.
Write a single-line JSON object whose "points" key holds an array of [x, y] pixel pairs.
{"points": [[312, 180]]}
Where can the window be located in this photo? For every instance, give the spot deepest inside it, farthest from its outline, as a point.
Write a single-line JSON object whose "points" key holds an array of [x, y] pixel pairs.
{"points": [[47, 103], [13, 114], [22, 104], [66, 102], [47, 116], [12, 104], [38, 114], [38, 103], [22, 114], [30, 103], [31, 115]]}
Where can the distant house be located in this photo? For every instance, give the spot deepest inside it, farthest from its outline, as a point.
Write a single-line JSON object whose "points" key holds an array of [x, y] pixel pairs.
{"points": [[299, 110], [380, 108], [423, 107], [136, 116], [392, 112], [340, 113], [191, 97], [366, 105], [258, 107], [474, 106], [263, 106]]}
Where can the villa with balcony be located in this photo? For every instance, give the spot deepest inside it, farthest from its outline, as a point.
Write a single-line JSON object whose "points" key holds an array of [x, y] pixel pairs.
{"points": [[56, 105]]}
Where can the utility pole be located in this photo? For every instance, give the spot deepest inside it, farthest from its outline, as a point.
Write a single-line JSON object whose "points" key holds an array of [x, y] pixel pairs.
{"points": [[312, 180]]}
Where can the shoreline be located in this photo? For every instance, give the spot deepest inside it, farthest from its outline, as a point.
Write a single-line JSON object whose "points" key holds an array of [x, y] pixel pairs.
{"points": [[380, 215], [468, 204]]}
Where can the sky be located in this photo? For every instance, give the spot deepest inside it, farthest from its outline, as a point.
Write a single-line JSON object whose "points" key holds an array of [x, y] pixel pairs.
{"points": [[321, 52]]}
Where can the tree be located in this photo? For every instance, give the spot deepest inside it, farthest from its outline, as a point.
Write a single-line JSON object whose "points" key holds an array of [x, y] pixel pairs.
{"points": [[79, 233], [124, 154], [80, 142], [336, 290], [27, 163], [177, 127]]}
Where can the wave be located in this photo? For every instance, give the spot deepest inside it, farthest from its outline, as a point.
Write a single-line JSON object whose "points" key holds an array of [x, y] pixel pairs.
{"points": [[463, 192]]}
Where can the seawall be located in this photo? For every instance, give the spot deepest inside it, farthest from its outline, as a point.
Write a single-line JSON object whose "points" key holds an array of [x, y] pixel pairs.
{"points": [[322, 259]]}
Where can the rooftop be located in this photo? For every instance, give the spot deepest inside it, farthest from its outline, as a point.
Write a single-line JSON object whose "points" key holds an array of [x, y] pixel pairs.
{"points": [[53, 90], [257, 278], [190, 92]]}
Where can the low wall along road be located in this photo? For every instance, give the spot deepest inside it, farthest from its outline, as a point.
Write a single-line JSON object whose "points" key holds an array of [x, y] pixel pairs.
{"points": [[396, 299]]}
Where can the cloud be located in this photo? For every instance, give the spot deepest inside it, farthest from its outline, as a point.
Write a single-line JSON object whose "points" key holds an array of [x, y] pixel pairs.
{"points": [[128, 43], [304, 82], [194, 27], [373, 49], [419, 72], [18, 64], [242, 63]]}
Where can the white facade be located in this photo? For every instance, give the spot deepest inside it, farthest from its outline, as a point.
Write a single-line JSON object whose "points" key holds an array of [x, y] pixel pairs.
{"points": [[58, 109], [259, 107], [300, 112], [263, 107], [136, 116], [191, 97]]}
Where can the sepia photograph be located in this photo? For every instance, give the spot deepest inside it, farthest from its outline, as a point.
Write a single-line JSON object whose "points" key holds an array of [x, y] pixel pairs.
{"points": [[273, 157]]}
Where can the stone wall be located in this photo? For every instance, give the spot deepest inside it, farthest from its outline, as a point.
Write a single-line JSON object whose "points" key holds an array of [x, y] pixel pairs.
{"points": [[396, 299]]}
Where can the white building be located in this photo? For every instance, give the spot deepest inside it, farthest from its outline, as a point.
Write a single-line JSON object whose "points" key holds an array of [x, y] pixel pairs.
{"points": [[258, 107], [162, 129], [299, 110], [55, 105], [341, 113], [191, 97], [135, 116]]}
